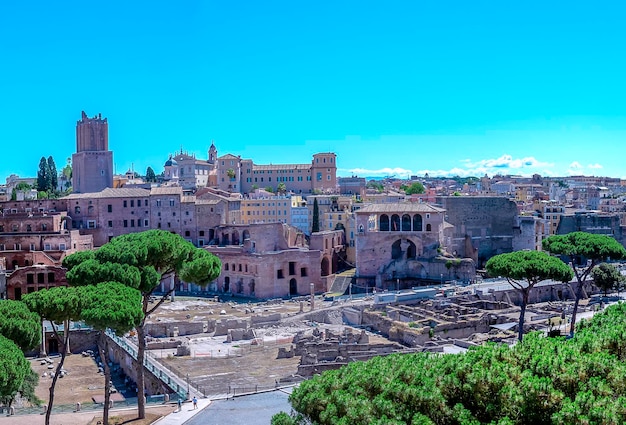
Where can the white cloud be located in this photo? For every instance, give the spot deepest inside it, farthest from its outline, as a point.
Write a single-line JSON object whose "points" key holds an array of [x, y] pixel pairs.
{"points": [[575, 165], [382, 172], [508, 162], [595, 166]]}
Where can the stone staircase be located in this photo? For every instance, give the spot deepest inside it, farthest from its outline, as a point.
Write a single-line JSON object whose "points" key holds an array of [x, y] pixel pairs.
{"points": [[342, 282]]}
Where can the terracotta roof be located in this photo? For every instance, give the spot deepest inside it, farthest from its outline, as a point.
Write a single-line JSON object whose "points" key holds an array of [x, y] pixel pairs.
{"points": [[111, 193], [408, 207], [166, 190]]}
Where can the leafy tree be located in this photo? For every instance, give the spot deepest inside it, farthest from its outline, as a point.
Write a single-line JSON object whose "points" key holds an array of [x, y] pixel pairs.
{"points": [[14, 368], [141, 261], [150, 176], [20, 330], [114, 306], [281, 188], [58, 305], [54, 178], [269, 189], [582, 246], [230, 173], [537, 381], [19, 324], [525, 269], [373, 184], [414, 188], [14, 195], [67, 173], [315, 227], [43, 175], [607, 277], [23, 186]]}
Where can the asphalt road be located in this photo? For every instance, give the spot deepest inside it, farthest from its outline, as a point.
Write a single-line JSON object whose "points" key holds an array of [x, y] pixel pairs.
{"points": [[256, 409]]}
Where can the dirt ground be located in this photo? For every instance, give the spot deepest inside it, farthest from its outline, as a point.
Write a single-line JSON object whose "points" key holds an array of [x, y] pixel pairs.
{"points": [[80, 384]]}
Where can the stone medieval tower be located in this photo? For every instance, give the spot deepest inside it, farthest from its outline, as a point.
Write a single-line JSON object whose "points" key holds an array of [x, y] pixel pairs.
{"points": [[92, 164]]}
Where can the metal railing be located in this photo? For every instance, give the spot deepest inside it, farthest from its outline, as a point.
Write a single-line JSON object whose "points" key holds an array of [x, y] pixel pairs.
{"points": [[167, 376]]}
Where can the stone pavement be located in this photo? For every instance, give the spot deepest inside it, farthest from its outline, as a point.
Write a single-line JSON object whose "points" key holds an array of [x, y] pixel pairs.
{"points": [[187, 412], [84, 417]]}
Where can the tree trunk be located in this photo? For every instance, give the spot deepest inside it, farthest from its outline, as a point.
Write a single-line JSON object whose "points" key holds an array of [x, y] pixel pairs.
{"points": [[520, 332], [103, 347], [579, 294], [63, 346], [141, 348]]}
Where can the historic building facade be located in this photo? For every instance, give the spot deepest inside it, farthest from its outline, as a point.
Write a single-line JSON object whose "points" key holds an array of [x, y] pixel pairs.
{"points": [[398, 245]]}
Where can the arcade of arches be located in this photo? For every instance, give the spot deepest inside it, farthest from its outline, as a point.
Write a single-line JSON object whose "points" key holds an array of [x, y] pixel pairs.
{"points": [[404, 223]]}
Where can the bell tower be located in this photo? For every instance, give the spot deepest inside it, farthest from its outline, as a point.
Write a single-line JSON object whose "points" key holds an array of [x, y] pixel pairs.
{"points": [[92, 164]]}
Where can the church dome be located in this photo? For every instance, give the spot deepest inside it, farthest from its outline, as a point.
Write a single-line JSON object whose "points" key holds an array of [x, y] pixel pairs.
{"points": [[171, 162]]}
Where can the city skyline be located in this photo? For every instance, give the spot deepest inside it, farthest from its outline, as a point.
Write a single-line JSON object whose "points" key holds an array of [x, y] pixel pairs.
{"points": [[402, 89]]}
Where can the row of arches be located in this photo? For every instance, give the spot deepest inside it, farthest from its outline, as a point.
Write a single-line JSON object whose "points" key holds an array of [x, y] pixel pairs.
{"points": [[406, 223]]}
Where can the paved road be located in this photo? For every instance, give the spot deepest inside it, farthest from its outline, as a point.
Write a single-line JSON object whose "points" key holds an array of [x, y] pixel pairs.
{"points": [[256, 409]]}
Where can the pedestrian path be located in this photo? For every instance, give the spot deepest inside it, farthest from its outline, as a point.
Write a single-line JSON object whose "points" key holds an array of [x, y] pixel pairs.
{"points": [[178, 417]]}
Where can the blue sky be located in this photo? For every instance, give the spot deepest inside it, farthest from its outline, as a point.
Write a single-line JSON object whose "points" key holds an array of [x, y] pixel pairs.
{"points": [[394, 88]]}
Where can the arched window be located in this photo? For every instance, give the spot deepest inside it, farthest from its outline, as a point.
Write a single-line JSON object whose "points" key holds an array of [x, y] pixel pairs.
{"points": [[395, 223], [383, 224], [406, 223], [417, 223], [428, 228]]}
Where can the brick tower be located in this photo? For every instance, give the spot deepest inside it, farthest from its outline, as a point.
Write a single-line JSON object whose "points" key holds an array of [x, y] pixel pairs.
{"points": [[92, 164]]}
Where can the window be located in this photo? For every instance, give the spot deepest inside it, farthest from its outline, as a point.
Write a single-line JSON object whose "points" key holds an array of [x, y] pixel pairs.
{"points": [[292, 268], [125, 203], [125, 223], [32, 246], [187, 233], [50, 277], [132, 203], [18, 247], [110, 208], [44, 227], [171, 202], [30, 279], [15, 227], [62, 247], [40, 278], [110, 223], [158, 202], [91, 224], [29, 228], [146, 223], [201, 232], [46, 247], [226, 266], [77, 210], [279, 274], [145, 203], [132, 223]]}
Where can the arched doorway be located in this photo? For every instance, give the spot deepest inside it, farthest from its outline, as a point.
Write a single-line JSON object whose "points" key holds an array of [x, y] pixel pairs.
{"points": [[236, 238], [325, 266], [293, 287], [396, 250], [227, 284]]}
